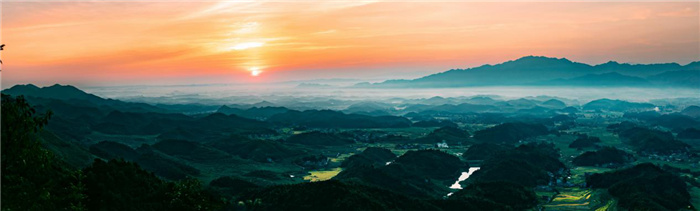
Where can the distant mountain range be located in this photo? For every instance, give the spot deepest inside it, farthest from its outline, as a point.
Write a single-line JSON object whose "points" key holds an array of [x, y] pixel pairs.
{"points": [[74, 96], [57, 91], [547, 71]]}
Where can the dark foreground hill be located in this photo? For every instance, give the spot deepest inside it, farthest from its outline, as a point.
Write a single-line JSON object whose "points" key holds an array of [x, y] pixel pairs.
{"points": [[422, 173], [528, 165], [372, 156], [34, 178], [332, 195], [662, 190], [146, 160], [510, 132]]}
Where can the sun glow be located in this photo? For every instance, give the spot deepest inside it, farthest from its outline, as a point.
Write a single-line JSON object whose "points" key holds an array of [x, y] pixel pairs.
{"points": [[247, 45], [255, 71], [300, 40]]}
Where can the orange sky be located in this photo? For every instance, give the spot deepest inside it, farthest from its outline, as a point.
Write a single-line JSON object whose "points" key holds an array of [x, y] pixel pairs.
{"points": [[122, 43]]}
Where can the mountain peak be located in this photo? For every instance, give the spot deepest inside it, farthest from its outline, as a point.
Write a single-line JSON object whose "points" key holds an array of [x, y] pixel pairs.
{"points": [[58, 85], [532, 58], [539, 62], [610, 63], [28, 87], [56, 91], [530, 70], [693, 65], [63, 87], [264, 103]]}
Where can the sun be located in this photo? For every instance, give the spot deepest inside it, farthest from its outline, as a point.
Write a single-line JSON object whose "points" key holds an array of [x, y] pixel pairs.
{"points": [[255, 71]]}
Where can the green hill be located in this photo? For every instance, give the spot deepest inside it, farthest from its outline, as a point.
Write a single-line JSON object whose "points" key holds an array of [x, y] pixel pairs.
{"points": [[511, 196], [538, 70], [317, 138], [336, 119], [617, 105], [165, 166], [331, 195], [372, 156], [257, 150], [528, 165], [482, 151], [511, 132], [416, 173], [607, 157], [585, 141], [71, 93], [109, 150], [191, 151], [449, 135], [643, 187]]}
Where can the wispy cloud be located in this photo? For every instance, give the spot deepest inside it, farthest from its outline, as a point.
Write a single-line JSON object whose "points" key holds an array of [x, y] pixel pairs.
{"points": [[111, 40]]}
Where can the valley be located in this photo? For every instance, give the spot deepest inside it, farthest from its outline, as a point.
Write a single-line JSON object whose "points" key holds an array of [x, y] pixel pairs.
{"points": [[223, 105], [544, 148]]}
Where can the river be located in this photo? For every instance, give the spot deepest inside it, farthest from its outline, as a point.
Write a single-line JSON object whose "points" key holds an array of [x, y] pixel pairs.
{"points": [[464, 176]]}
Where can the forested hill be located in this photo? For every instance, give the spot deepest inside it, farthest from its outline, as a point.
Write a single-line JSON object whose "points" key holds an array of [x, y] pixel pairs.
{"points": [[64, 149], [72, 95], [547, 71]]}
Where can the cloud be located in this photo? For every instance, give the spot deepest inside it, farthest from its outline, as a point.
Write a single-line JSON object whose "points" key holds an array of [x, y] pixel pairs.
{"points": [[182, 37]]}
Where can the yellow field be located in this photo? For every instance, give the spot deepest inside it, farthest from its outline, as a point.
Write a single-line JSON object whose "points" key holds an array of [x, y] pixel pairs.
{"points": [[341, 158], [570, 197], [315, 176], [607, 206]]}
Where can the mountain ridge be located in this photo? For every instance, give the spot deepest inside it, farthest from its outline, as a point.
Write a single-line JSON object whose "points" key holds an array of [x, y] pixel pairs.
{"points": [[73, 95], [538, 70]]}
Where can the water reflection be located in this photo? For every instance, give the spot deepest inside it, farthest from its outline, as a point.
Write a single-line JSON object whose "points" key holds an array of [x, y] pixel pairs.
{"points": [[463, 177]]}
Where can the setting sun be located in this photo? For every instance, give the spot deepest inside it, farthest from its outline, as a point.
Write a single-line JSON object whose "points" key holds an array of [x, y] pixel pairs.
{"points": [[305, 40], [363, 105], [255, 71]]}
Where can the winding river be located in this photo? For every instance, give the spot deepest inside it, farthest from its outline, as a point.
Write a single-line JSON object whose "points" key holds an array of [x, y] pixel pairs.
{"points": [[464, 176]]}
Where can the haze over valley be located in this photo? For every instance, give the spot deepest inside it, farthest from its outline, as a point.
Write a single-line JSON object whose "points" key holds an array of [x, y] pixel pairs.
{"points": [[528, 76]]}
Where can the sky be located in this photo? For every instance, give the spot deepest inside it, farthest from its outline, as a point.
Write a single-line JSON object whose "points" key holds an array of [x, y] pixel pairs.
{"points": [[172, 42]]}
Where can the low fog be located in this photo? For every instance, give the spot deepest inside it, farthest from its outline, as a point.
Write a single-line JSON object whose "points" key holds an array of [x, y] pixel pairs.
{"points": [[339, 96]]}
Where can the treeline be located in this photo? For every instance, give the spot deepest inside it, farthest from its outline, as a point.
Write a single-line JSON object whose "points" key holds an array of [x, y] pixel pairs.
{"points": [[605, 157], [33, 178], [528, 165], [644, 187], [413, 181], [339, 195], [648, 141]]}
